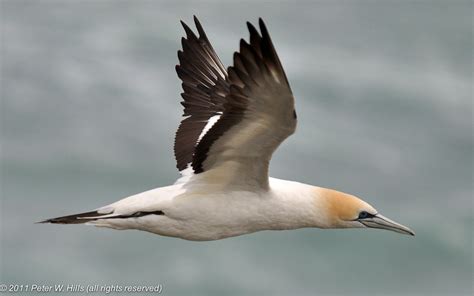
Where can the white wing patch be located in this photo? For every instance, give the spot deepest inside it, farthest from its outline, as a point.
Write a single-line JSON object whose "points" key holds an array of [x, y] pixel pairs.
{"points": [[210, 123], [188, 172]]}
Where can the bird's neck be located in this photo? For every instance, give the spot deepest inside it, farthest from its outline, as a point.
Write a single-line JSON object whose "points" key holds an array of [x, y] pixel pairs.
{"points": [[299, 205]]}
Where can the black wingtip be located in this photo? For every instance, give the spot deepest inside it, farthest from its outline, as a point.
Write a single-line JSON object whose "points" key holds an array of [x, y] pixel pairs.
{"points": [[196, 21], [201, 32], [263, 28], [235, 56], [244, 45], [183, 24], [252, 29], [187, 29]]}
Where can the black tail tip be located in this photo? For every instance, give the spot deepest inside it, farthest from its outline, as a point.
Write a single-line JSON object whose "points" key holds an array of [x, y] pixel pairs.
{"points": [[59, 220], [73, 219]]}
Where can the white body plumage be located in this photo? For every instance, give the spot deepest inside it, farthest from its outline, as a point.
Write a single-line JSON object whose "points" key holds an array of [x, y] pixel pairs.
{"points": [[197, 212]]}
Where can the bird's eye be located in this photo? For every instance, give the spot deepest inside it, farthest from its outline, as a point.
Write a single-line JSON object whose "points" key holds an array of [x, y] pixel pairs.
{"points": [[363, 215]]}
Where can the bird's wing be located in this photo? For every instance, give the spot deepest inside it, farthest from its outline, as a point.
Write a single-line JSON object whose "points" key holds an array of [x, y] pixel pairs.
{"points": [[255, 116], [205, 87]]}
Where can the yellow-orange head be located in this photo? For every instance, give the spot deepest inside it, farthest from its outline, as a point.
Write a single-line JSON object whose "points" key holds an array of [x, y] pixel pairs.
{"points": [[347, 211]]}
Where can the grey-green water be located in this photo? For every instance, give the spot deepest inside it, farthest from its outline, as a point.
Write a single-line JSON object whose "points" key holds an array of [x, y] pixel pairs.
{"points": [[89, 105]]}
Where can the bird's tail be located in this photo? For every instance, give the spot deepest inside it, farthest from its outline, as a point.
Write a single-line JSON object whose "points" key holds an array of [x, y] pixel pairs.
{"points": [[100, 214], [76, 218]]}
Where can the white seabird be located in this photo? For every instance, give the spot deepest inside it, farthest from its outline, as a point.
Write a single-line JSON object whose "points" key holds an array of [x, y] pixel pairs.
{"points": [[234, 120]]}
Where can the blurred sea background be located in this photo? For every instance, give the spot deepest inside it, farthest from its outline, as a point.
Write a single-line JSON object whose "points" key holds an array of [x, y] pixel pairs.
{"points": [[90, 104]]}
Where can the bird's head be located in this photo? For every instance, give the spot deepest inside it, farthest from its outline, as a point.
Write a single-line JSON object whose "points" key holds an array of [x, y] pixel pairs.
{"points": [[347, 211]]}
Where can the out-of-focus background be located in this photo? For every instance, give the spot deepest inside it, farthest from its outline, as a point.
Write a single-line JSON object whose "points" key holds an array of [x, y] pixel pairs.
{"points": [[90, 104]]}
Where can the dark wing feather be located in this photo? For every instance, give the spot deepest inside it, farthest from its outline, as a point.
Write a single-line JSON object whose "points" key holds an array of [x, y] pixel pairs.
{"points": [[205, 87]]}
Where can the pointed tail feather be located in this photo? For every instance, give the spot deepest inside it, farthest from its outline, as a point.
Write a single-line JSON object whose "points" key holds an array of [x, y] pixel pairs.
{"points": [[75, 219], [97, 215]]}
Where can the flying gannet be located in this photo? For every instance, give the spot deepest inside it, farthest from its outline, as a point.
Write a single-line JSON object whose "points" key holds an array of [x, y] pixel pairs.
{"points": [[234, 121]]}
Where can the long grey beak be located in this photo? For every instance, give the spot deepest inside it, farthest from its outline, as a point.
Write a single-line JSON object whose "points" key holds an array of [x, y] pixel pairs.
{"points": [[381, 222]]}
